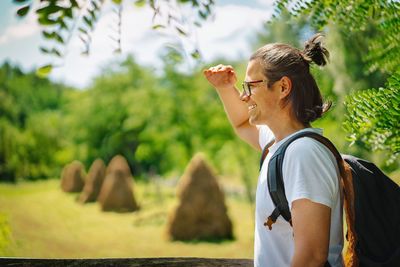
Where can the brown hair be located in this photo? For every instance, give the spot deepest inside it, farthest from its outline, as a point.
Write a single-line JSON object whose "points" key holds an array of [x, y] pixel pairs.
{"points": [[280, 60]]}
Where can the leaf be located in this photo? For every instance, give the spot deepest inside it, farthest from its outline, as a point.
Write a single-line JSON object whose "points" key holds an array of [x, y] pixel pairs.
{"points": [[95, 5], [202, 14], [158, 26], [23, 11], [182, 32], [47, 35], [82, 30], [62, 23], [88, 22], [53, 35], [196, 54], [48, 10], [118, 2], [20, 1], [56, 52], [44, 21], [84, 38], [140, 3], [92, 14], [68, 13], [74, 4], [44, 50], [44, 71]]}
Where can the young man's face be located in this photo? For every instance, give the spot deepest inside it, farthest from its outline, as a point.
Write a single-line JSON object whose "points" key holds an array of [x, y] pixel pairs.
{"points": [[263, 103]]}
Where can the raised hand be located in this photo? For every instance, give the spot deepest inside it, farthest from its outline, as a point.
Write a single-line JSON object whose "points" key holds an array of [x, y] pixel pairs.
{"points": [[221, 76]]}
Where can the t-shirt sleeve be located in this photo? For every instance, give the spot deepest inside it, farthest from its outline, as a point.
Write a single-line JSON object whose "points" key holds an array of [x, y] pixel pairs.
{"points": [[310, 171], [265, 135]]}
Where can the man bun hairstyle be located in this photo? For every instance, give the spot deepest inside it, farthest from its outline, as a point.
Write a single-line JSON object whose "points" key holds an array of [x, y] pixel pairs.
{"points": [[314, 50], [280, 60]]}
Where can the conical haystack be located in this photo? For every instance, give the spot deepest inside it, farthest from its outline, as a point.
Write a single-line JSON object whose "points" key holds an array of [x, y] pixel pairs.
{"points": [[201, 213], [116, 193], [94, 181], [119, 163], [72, 177]]}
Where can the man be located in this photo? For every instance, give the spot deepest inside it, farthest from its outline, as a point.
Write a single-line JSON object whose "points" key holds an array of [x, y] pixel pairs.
{"points": [[279, 98]]}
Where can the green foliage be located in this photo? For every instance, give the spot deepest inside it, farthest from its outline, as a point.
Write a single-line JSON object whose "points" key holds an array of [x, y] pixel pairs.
{"points": [[378, 24], [158, 122], [30, 130], [374, 115]]}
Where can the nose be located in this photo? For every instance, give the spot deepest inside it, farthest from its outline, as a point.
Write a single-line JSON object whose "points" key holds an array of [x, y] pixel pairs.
{"points": [[244, 97]]}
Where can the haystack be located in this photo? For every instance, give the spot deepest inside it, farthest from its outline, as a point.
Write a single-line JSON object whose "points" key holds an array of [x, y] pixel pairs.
{"points": [[93, 183], [116, 193], [72, 177], [201, 213]]}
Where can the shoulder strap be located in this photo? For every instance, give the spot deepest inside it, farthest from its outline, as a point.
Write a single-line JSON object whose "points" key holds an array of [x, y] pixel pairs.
{"points": [[275, 177], [265, 152]]}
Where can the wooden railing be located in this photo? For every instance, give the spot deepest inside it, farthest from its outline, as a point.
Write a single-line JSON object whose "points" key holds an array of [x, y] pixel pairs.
{"points": [[127, 262]]}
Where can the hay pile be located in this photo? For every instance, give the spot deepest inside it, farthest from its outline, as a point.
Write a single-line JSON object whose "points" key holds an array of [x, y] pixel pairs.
{"points": [[116, 193], [72, 177], [202, 213], [94, 181]]}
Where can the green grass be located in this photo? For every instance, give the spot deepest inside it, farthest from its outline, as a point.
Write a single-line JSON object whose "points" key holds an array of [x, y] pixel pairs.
{"points": [[395, 176], [41, 221]]}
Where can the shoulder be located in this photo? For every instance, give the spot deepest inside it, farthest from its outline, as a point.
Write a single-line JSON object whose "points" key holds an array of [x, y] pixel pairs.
{"points": [[308, 148], [310, 171]]}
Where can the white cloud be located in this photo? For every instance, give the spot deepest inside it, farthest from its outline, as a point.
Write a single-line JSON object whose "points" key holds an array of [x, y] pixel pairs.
{"points": [[266, 3], [137, 38], [20, 30], [228, 35]]}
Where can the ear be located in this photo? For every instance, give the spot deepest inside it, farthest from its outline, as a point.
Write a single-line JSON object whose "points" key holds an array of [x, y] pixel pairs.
{"points": [[285, 86]]}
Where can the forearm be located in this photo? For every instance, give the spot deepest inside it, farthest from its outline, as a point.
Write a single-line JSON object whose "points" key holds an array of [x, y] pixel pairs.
{"points": [[235, 109]]}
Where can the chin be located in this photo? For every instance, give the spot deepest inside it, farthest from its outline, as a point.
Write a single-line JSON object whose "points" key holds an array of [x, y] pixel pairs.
{"points": [[257, 120], [253, 121]]}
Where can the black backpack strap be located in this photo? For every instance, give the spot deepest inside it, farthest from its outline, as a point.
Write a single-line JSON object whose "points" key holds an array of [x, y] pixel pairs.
{"points": [[275, 176], [265, 152]]}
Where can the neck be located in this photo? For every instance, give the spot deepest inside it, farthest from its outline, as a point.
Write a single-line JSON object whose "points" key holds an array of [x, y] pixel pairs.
{"points": [[284, 126]]}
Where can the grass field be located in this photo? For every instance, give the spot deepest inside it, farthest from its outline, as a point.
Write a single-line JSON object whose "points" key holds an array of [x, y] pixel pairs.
{"points": [[39, 220]]}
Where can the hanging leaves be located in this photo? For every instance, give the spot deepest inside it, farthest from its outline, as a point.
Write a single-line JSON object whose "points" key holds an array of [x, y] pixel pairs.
{"points": [[373, 114], [373, 117], [23, 11], [44, 71], [60, 20], [140, 3]]}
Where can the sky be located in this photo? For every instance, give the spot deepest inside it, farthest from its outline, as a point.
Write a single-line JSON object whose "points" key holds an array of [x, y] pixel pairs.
{"points": [[226, 35]]}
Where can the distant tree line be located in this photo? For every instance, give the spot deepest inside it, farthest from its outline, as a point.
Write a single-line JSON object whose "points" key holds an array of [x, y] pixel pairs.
{"points": [[159, 120]]}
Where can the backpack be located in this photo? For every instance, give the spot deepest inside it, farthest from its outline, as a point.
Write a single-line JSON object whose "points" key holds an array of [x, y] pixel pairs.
{"points": [[371, 204]]}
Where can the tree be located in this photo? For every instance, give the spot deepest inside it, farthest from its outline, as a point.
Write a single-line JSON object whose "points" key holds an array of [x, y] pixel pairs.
{"points": [[373, 115], [30, 125]]}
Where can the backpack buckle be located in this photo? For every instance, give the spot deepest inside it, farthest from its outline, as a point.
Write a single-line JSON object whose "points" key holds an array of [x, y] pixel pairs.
{"points": [[269, 222]]}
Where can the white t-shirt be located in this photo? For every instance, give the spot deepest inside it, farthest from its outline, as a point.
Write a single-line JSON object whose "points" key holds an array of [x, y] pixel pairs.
{"points": [[309, 171]]}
